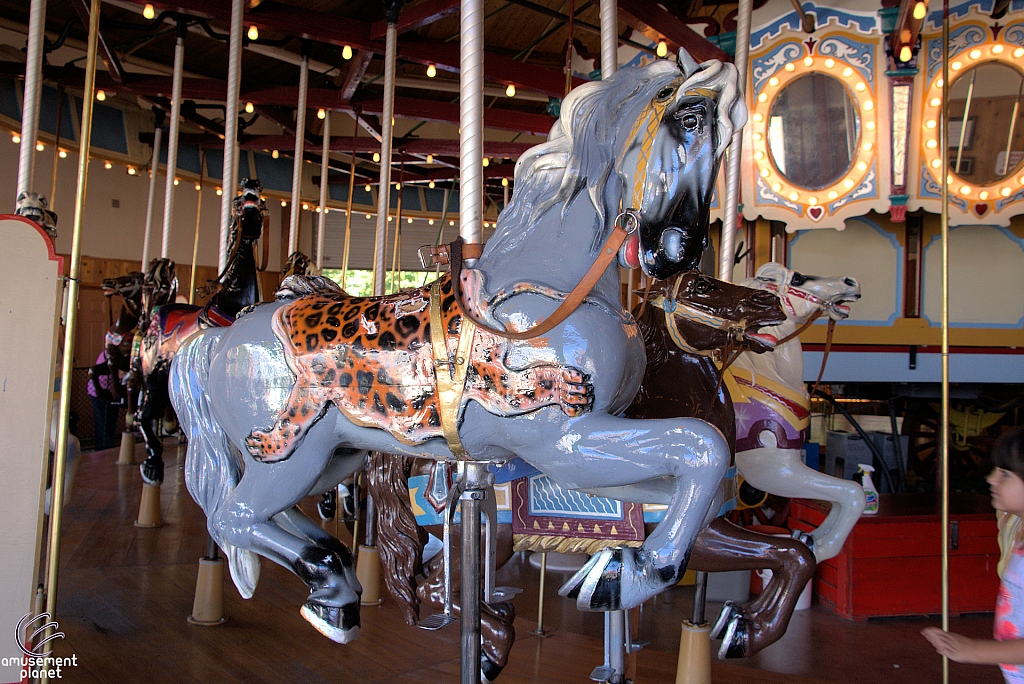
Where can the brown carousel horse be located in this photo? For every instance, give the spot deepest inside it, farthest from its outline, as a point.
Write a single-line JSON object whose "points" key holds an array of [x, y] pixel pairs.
{"points": [[236, 288], [679, 382], [117, 343]]}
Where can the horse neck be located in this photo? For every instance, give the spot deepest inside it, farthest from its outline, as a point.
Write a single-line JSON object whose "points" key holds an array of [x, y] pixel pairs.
{"points": [[553, 251], [128, 319], [785, 363], [239, 282]]}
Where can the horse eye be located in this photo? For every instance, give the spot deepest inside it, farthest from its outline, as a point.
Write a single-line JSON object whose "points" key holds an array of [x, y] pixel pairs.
{"points": [[689, 120], [797, 280], [702, 287], [665, 93]]}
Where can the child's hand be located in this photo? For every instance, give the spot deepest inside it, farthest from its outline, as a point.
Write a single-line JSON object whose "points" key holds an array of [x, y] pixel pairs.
{"points": [[954, 646]]}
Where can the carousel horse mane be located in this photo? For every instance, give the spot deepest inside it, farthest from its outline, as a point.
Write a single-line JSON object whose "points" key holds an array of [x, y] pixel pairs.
{"points": [[581, 150], [295, 286]]}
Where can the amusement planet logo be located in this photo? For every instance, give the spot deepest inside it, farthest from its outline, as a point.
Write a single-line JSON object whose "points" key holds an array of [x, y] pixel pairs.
{"points": [[36, 662]]}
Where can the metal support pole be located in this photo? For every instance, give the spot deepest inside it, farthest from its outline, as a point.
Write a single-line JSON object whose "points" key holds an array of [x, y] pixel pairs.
{"points": [[609, 38], [172, 138], [195, 240], [300, 146], [700, 587], [944, 432], [471, 121], [733, 183], [60, 450], [33, 91], [384, 188], [230, 131], [348, 210], [540, 597], [158, 133], [616, 626], [477, 482], [324, 169]]}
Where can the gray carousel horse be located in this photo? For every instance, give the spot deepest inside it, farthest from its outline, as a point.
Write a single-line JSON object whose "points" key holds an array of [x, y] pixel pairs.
{"points": [[302, 388]]}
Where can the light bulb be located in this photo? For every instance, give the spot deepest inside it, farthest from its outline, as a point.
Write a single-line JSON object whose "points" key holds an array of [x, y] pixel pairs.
{"points": [[15, 138], [249, 108], [305, 207], [431, 71], [409, 220], [430, 159], [131, 170], [346, 52], [920, 9], [662, 50], [367, 216], [283, 203], [108, 166], [275, 154], [321, 113], [148, 11], [254, 33], [175, 181], [318, 210], [40, 147], [905, 54], [487, 162], [390, 219], [367, 188], [398, 186], [219, 192], [62, 154], [430, 222], [101, 96], [504, 182], [198, 186], [376, 156], [431, 184], [451, 223], [510, 91]]}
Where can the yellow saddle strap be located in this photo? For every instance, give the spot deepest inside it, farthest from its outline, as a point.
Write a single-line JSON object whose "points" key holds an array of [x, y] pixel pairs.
{"points": [[450, 374]]}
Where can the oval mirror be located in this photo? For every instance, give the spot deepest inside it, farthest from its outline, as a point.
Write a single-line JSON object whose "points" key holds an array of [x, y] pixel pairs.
{"points": [[991, 146], [813, 130]]}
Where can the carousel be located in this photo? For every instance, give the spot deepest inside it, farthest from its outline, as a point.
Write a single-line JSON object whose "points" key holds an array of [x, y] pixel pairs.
{"points": [[501, 340]]}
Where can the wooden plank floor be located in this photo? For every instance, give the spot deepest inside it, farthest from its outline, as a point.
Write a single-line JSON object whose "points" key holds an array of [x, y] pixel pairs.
{"points": [[124, 594]]}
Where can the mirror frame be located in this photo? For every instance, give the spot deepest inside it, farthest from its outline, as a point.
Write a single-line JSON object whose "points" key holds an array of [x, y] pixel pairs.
{"points": [[860, 91], [991, 51]]}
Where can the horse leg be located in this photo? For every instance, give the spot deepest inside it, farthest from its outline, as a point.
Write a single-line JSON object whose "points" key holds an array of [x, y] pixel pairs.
{"points": [[686, 459], [781, 472], [299, 524], [497, 632], [246, 519], [154, 403], [723, 547]]}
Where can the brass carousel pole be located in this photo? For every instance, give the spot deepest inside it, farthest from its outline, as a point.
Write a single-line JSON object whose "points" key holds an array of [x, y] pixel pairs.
{"points": [[944, 421], [59, 457]]}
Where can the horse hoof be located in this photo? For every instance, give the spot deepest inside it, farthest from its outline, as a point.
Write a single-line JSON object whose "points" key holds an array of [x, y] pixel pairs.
{"points": [[729, 611], [152, 470], [604, 569], [340, 625], [804, 537], [489, 670], [328, 505], [735, 640]]}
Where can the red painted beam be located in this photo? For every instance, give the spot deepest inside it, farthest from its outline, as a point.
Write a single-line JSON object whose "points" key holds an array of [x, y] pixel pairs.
{"points": [[448, 112], [416, 17], [356, 70], [655, 22]]}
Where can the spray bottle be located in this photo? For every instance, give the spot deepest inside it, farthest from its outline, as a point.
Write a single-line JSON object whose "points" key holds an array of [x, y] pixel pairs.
{"points": [[870, 493]]}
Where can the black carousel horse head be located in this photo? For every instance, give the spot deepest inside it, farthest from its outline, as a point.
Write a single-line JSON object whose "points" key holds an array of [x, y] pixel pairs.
{"points": [[161, 283], [34, 207], [249, 210]]}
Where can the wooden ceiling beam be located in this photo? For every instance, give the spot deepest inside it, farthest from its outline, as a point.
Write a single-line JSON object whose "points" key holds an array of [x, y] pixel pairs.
{"points": [[413, 18], [657, 23]]}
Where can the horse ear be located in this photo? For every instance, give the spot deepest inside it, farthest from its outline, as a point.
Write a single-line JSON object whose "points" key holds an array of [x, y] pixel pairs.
{"points": [[686, 63]]}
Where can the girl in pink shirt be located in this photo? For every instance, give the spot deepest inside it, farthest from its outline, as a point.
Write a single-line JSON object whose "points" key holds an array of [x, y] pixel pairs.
{"points": [[1006, 483]]}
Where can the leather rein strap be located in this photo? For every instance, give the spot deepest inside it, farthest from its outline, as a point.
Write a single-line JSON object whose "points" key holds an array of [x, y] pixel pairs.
{"points": [[450, 373]]}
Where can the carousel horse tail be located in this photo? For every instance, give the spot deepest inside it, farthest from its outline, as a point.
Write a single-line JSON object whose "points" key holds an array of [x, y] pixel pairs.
{"points": [[212, 469], [398, 535]]}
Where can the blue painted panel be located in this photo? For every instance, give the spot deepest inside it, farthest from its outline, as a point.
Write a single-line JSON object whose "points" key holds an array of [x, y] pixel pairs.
{"points": [[215, 166], [48, 115], [189, 159], [895, 367], [435, 200], [10, 100], [338, 192], [107, 127], [275, 174], [410, 199]]}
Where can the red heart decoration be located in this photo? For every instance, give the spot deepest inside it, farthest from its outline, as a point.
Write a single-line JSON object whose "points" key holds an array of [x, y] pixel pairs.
{"points": [[815, 212], [980, 208]]}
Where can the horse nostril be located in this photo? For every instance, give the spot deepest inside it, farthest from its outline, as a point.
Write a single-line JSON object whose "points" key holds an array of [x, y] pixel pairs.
{"points": [[672, 243], [850, 281]]}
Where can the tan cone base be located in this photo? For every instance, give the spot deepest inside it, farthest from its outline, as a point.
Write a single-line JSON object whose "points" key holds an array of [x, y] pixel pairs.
{"points": [[368, 574], [127, 454], [694, 666], [149, 507], [208, 607]]}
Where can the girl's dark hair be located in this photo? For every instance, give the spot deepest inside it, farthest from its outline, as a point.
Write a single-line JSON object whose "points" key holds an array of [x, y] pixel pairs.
{"points": [[1008, 452]]}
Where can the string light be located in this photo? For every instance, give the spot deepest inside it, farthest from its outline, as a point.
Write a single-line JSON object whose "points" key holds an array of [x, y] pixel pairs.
{"points": [[283, 203], [40, 147], [249, 108], [254, 33], [108, 166], [62, 154], [275, 154], [409, 220], [487, 161], [367, 188], [346, 52], [175, 181], [504, 182], [430, 222], [376, 156], [305, 207], [367, 216], [219, 192], [920, 9], [321, 113], [662, 50], [131, 170], [198, 187], [431, 71], [101, 96], [905, 54], [15, 138], [148, 11], [398, 186], [510, 91], [451, 223]]}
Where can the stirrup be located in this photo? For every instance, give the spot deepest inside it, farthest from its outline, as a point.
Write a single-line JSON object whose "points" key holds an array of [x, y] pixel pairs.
{"points": [[441, 620]]}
